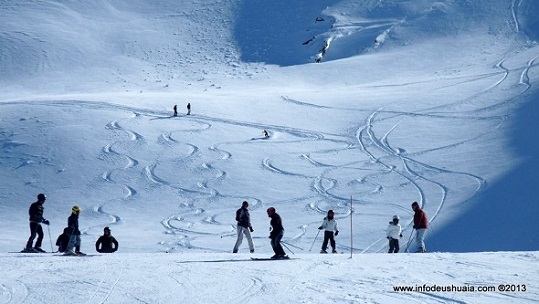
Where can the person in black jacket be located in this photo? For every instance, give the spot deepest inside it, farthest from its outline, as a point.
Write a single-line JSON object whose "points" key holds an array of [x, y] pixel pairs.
{"points": [[276, 234], [74, 232], [36, 218], [106, 243], [63, 240], [244, 227]]}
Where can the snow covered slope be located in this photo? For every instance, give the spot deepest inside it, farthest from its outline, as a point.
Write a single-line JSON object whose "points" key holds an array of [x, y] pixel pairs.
{"points": [[424, 101]]}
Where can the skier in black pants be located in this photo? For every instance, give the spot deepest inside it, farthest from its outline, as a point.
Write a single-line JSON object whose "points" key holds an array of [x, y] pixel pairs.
{"points": [[36, 218], [276, 234], [329, 225]]}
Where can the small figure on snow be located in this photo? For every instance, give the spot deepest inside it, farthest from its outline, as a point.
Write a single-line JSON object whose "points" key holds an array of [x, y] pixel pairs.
{"points": [[74, 232], [106, 243], [329, 225], [265, 133], [394, 232], [189, 108], [36, 218], [421, 224], [63, 240], [276, 234], [244, 227], [175, 110]]}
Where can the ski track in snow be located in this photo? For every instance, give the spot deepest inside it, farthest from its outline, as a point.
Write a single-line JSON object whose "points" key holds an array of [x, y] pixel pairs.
{"points": [[378, 147], [386, 160]]}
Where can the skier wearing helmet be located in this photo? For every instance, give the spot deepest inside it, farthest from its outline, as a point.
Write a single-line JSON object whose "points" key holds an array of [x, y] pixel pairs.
{"points": [[330, 226], [394, 232], [36, 218], [74, 237]]}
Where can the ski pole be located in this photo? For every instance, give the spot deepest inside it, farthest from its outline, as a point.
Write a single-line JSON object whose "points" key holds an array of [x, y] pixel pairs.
{"points": [[409, 240], [50, 239], [283, 243], [292, 245], [315, 240]]}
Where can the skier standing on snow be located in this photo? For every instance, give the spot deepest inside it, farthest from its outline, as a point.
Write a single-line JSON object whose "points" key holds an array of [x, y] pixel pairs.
{"points": [[74, 232], [36, 218], [329, 225], [421, 224], [394, 232], [175, 110], [189, 108], [276, 234], [106, 243], [244, 227]]}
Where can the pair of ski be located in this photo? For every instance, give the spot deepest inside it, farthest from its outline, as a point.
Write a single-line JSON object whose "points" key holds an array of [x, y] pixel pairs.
{"points": [[56, 253], [271, 259]]}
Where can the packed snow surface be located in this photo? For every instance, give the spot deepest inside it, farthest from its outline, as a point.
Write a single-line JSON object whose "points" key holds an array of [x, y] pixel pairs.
{"points": [[369, 105]]}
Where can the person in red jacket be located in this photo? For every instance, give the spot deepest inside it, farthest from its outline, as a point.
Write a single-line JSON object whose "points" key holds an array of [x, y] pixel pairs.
{"points": [[421, 224]]}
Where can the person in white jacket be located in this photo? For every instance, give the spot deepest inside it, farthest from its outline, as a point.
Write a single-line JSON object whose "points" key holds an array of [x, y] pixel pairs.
{"points": [[394, 232], [329, 225]]}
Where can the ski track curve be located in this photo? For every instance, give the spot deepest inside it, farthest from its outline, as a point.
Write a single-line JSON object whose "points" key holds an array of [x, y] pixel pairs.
{"points": [[373, 145]]}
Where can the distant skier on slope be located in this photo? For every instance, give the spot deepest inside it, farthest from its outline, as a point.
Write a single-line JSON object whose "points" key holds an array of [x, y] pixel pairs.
{"points": [[175, 110], [329, 225], [36, 218], [244, 227], [189, 108], [265, 133], [276, 234], [394, 232], [421, 224]]}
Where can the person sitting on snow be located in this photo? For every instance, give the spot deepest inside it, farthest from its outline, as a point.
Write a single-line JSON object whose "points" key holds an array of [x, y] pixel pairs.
{"points": [[106, 243]]}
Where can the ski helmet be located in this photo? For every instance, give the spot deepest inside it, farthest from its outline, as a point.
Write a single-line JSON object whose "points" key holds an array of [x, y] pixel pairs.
{"points": [[106, 229], [41, 197], [396, 217], [75, 209]]}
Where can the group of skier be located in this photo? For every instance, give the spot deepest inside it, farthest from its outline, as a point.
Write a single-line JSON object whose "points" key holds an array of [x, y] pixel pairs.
{"points": [[176, 109], [69, 241], [329, 225]]}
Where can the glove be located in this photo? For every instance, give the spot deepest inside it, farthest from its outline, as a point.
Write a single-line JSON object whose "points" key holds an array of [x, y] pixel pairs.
{"points": [[388, 237], [46, 222], [336, 233], [251, 229], [400, 235], [414, 227], [320, 228]]}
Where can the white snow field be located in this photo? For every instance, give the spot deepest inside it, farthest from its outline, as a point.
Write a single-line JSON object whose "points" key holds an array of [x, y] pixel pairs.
{"points": [[370, 105]]}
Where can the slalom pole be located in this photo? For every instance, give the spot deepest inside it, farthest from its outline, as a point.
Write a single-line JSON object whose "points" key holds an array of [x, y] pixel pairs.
{"points": [[50, 239], [283, 243], [351, 222], [409, 240], [315, 239]]}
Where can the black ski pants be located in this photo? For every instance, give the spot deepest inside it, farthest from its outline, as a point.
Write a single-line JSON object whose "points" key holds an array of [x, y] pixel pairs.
{"points": [[328, 236], [35, 229], [393, 245], [276, 244]]}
